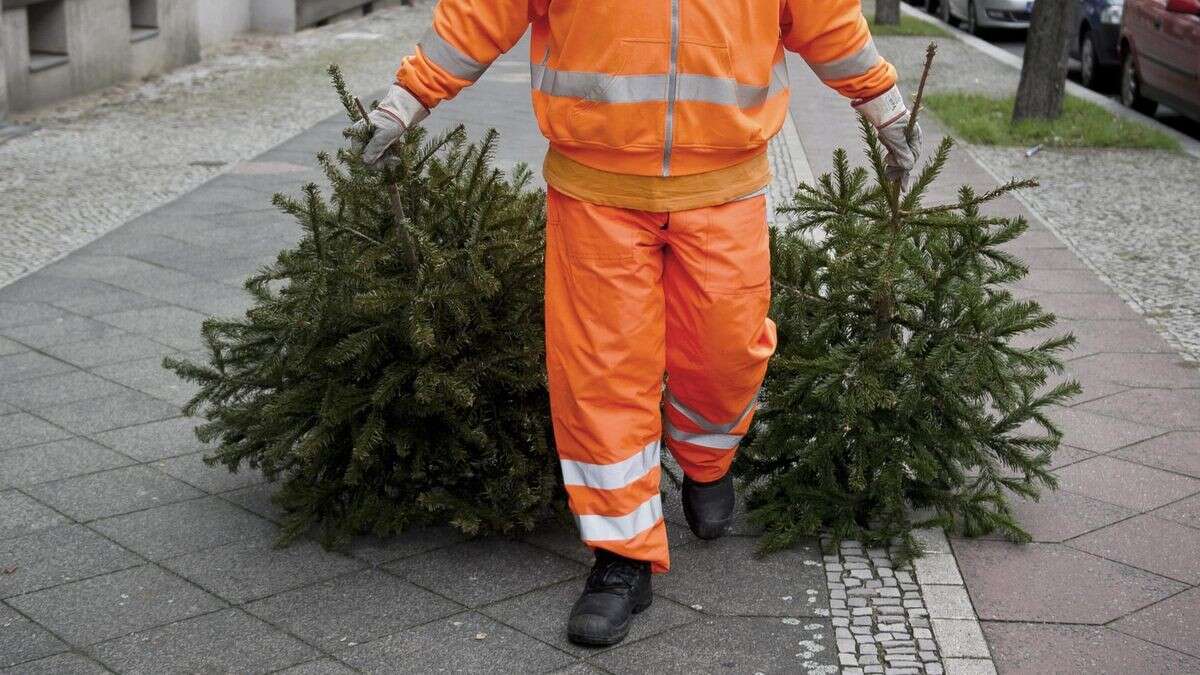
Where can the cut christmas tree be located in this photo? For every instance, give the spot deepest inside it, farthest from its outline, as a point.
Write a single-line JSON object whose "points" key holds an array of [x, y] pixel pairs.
{"points": [[897, 388], [390, 372]]}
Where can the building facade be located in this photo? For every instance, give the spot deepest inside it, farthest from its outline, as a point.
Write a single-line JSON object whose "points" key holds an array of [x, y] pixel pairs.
{"points": [[54, 49]]}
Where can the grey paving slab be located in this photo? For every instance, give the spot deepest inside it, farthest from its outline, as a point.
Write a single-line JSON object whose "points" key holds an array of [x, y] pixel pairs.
{"points": [[1051, 259], [1133, 486], [319, 667], [112, 605], [149, 377], [1178, 452], [46, 289], [789, 583], [61, 330], [113, 492], [53, 390], [465, 642], [22, 429], [22, 640], [1153, 544], [21, 515], [563, 539], [1059, 515], [734, 644], [154, 440], [56, 460], [25, 313], [257, 499], [1168, 409], [109, 412], [8, 347], [1028, 648], [61, 664], [378, 551], [1098, 433], [1083, 305], [245, 571], [212, 297], [84, 265], [148, 280], [345, 611], [1062, 281], [57, 556], [29, 364], [1166, 371], [543, 613], [7, 409], [480, 572], [1185, 511], [107, 299], [119, 349], [228, 641], [1053, 583], [1171, 623], [192, 470], [184, 527], [173, 326]]}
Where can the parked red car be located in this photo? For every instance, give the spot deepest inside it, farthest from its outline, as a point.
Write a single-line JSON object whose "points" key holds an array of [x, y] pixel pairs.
{"points": [[1160, 55]]}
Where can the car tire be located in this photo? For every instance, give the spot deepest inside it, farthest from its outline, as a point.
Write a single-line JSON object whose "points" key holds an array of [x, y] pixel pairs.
{"points": [[945, 14], [1131, 87], [973, 19], [1091, 73]]}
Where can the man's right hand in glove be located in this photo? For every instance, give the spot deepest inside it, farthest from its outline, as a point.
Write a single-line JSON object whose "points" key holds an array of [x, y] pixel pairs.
{"points": [[396, 113]]}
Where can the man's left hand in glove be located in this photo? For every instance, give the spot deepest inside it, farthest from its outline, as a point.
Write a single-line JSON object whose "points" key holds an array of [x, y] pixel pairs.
{"points": [[395, 114], [890, 116]]}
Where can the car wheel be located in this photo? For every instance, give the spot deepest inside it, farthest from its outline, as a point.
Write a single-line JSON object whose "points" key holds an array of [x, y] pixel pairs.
{"points": [[945, 14], [1131, 88], [972, 19], [1091, 73]]}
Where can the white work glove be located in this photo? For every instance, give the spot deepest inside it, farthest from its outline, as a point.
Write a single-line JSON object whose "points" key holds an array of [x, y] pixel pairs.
{"points": [[890, 117], [396, 112]]}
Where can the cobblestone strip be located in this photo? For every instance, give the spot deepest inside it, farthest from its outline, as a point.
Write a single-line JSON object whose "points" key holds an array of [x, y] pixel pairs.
{"points": [[879, 618]]}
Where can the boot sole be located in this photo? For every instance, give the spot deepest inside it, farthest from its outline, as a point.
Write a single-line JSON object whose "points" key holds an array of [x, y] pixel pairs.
{"points": [[609, 640]]}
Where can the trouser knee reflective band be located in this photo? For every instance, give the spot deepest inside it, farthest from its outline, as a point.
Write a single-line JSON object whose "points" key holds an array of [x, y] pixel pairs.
{"points": [[631, 296]]}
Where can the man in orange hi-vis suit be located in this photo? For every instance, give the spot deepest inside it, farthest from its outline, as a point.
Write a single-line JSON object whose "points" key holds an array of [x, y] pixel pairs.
{"points": [[658, 114]]}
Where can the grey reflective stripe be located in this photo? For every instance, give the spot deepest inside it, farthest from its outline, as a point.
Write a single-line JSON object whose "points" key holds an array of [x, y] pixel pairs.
{"points": [[700, 421], [857, 63], [600, 87], [672, 90], [711, 441], [612, 476], [621, 528], [449, 58], [605, 88]]}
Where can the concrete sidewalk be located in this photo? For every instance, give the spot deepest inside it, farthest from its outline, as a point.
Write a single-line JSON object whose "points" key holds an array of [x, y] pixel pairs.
{"points": [[1110, 584], [121, 551]]}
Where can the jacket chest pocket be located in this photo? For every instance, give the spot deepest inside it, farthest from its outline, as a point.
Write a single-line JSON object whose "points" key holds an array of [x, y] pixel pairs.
{"points": [[622, 101]]}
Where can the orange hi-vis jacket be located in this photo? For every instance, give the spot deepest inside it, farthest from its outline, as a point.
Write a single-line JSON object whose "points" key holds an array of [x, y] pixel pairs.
{"points": [[652, 87]]}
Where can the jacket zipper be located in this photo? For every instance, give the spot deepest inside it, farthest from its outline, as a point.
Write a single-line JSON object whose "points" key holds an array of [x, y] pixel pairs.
{"points": [[672, 88]]}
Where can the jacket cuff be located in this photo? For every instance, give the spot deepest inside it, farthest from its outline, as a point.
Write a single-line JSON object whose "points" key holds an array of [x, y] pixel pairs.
{"points": [[403, 105], [884, 109]]}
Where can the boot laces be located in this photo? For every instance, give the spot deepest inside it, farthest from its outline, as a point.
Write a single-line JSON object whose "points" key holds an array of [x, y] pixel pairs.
{"points": [[614, 574]]}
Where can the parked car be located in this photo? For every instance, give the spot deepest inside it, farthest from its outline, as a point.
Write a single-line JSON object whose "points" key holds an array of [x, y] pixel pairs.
{"points": [[981, 15], [1160, 55], [1096, 41]]}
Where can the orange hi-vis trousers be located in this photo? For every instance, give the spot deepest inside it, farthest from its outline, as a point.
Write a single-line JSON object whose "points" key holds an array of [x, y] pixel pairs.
{"points": [[631, 295]]}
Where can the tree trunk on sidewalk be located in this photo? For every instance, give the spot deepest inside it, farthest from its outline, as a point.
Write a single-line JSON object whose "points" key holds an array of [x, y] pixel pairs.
{"points": [[1044, 72], [887, 12]]}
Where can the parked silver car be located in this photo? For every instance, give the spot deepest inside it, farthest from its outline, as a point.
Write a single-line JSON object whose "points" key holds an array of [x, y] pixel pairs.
{"points": [[983, 14]]}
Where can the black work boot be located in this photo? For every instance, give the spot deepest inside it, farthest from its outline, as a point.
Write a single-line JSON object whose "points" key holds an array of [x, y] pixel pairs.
{"points": [[616, 589], [708, 507]]}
